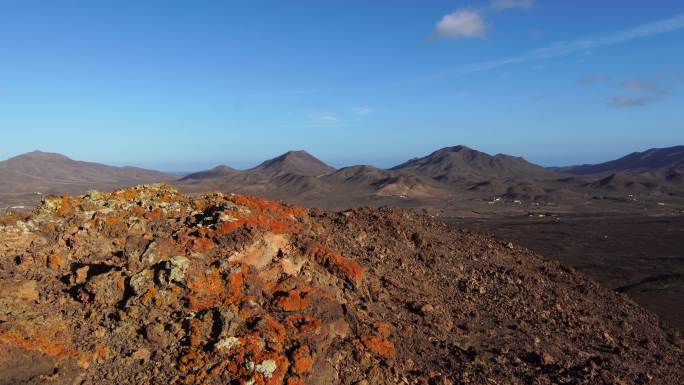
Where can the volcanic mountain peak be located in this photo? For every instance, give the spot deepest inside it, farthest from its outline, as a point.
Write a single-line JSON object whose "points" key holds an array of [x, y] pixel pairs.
{"points": [[294, 162], [38, 170], [461, 161], [649, 160], [37, 155], [359, 171], [216, 172]]}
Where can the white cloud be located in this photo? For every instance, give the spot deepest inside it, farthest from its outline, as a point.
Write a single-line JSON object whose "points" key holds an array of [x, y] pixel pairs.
{"points": [[463, 23], [362, 110], [325, 119], [502, 5], [564, 48]]}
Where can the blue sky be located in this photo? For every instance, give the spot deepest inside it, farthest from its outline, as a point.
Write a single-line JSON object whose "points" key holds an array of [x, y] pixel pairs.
{"points": [[183, 85]]}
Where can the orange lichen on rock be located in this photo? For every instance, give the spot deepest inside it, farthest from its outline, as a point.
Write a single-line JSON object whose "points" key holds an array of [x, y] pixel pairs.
{"points": [[295, 300], [235, 282], [100, 352], [298, 324], [112, 223], [195, 333], [379, 345], [383, 328], [201, 244], [208, 290], [150, 295], [228, 227], [295, 381], [50, 341], [66, 206], [56, 261], [247, 318], [154, 214], [264, 214], [303, 360], [348, 267], [126, 194], [193, 366], [274, 330]]}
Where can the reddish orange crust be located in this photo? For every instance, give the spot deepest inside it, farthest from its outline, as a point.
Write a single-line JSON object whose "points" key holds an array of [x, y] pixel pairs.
{"points": [[303, 360], [379, 345], [50, 341]]}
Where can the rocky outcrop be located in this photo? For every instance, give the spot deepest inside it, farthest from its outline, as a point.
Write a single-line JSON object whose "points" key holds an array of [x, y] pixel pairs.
{"points": [[148, 286]]}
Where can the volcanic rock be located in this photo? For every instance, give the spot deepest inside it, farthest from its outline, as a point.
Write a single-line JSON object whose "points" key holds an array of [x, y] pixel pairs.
{"points": [[215, 303]]}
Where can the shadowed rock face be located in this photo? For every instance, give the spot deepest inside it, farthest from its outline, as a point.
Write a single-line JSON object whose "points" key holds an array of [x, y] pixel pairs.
{"points": [[146, 285]]}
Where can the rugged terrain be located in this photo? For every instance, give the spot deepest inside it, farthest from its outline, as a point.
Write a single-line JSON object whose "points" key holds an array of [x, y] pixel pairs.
{"points": [[148, 286], [640, 256]]}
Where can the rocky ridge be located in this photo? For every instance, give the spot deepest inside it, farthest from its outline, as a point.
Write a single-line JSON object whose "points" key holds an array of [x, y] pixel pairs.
{"points": [[148, 286]]}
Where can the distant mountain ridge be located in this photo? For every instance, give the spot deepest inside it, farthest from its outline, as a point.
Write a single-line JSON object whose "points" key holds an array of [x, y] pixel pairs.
{"points": [[448, 175], [660, 159], [216, 172], [44, 171], [53, 166], [461, 162]]}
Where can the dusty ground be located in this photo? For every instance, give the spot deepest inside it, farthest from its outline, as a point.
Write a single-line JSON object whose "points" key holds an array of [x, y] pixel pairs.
{"points": [[147, 286], [641, 256]]}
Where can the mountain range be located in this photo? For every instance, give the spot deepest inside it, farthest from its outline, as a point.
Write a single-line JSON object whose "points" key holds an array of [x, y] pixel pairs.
{"points": [[35, 173], [450, 178], [457, 179], [655, 159]]}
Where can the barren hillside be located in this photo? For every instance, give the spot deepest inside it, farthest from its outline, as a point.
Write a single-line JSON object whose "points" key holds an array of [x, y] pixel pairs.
{"points": [[148, 286]]}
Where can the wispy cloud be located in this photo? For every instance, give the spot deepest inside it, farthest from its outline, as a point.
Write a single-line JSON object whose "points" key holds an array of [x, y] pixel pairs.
{"points": [[362, 110], [648, 90], [317, 120], [463, 23], [626, 101], [563, 48], [502, 5], [640, 91], [325, 119], [647, 85]]}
